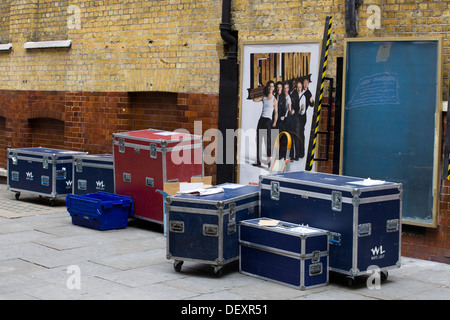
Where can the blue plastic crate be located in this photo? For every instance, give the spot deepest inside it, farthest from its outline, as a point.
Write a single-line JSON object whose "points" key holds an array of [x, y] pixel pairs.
{"points": [[100, 210]]}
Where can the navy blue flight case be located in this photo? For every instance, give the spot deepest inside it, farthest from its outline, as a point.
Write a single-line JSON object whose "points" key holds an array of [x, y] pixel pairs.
{"points": [[284, 252], [93, 173], [204, 229], [42, 171], [363, 216]]}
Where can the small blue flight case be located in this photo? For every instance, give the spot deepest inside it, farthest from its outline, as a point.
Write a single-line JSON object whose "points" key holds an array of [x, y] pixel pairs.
{"points": [[363, 216], [288, 253], [41, 171], [204, 229], [93, 173]]}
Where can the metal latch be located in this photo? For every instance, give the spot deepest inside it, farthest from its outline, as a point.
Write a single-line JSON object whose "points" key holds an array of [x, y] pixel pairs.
{"points": [[121, 145], [232, 218], [315, 256], [231, 227], [336, 201], [14, 159], [275, 190], [45, 163], [153, 151], [176, 226], [79, 165], [210, 230], [232, 215]]}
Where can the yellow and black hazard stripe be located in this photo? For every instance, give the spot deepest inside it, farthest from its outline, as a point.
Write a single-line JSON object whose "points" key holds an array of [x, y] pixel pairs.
{"points": [[324, 58], [448, 170]]}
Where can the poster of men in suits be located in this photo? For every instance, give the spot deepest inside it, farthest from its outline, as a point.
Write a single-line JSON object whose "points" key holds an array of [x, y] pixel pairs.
{"points": [[278, 88]]}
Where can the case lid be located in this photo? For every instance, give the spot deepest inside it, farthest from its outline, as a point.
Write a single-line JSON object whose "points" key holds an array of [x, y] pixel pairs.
{"points": [[285, 227], [156, 135], [231, 192], [49, 151], [101, 157], [330, 180]]}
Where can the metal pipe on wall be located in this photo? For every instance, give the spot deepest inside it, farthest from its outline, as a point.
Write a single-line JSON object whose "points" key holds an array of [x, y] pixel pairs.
{"points": [[228, 95]]}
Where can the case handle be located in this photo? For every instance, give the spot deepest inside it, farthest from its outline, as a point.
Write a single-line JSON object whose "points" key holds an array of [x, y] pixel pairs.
{"points": [[315, 269], [176, 226], [210, 230], [335, 238], [126, 177], [392, 225], [364, 229]]}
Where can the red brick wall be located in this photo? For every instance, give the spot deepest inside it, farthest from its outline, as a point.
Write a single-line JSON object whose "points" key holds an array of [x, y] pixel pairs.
{"points": [[325, 166], [3, 144], [85, 121], [46, 132]]}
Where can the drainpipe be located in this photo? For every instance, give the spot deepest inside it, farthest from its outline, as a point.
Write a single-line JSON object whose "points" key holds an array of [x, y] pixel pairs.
{"points": [[228, 100], [226, 33], [352, 17]]}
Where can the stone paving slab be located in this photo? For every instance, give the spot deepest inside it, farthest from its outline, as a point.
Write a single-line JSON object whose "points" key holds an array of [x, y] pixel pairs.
{"points": [[27, 205], [38, 252]]}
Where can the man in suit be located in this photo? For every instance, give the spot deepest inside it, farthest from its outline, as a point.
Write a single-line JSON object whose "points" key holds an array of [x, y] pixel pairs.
{"points": [[306, 102], [308, 94], [294, 122]]}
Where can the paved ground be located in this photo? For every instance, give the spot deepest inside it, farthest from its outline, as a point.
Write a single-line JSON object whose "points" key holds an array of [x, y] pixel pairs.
{"points": [[44, 256]]}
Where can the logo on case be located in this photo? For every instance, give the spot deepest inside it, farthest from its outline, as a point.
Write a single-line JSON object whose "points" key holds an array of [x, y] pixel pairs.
{"points": [[29, 176], [377, 253], [100, 185]]}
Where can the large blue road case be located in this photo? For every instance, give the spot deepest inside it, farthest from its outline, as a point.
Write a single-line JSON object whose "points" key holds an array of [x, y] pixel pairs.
{"points": [[363, 216], [204, 229], [93, 173], [292, 254], [42, 171]]}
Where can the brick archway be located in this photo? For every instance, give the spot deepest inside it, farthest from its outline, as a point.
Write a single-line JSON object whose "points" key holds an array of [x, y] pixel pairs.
{"points": [[46, 113], [46, 132]]}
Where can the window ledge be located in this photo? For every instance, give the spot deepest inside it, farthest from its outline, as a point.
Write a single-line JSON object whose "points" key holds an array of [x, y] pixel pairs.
{"points": [[5, 47], [48, 44]]}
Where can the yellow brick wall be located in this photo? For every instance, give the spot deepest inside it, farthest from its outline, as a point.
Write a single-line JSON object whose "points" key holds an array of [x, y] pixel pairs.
{"points": [[175, 45]]}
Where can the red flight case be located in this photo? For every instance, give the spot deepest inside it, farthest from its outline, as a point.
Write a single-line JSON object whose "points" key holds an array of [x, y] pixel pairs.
{"points": [[146, 159]]}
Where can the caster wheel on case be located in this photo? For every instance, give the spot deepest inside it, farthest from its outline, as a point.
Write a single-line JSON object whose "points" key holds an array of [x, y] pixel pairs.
{"points": [[17, 195], [218, 271], [384, 275], [52, 202], [350, 281], [177, 265]]}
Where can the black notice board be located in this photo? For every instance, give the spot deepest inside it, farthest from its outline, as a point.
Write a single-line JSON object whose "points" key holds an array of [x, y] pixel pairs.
{"points": [[391, 121]]}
